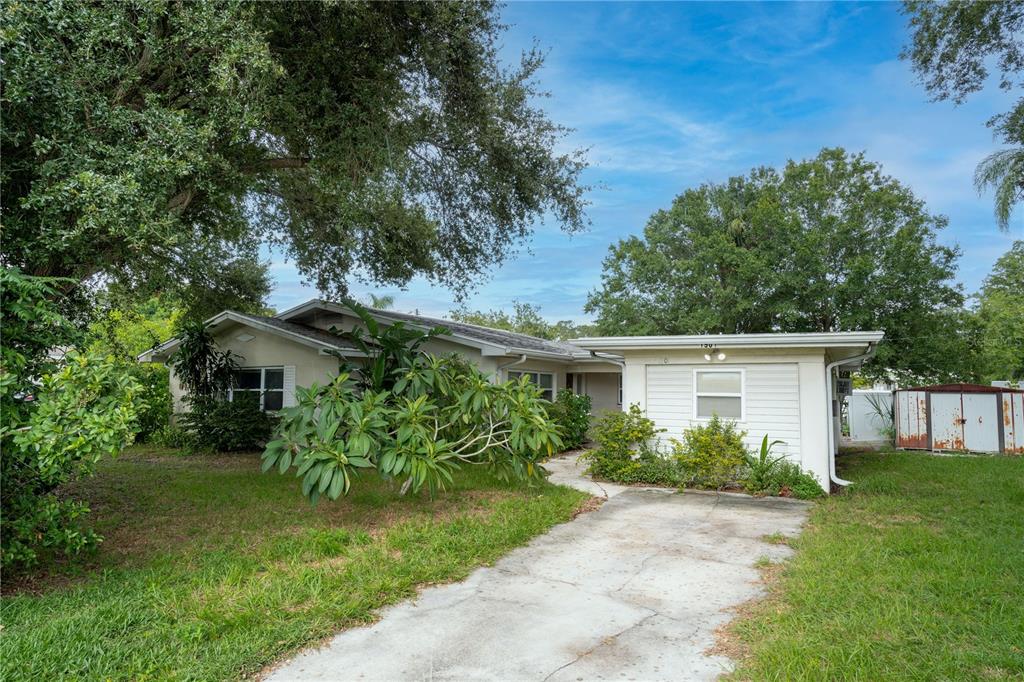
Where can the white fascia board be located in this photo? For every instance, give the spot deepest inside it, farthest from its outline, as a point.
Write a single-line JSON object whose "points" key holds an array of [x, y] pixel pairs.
{"points": [[810, 340]]}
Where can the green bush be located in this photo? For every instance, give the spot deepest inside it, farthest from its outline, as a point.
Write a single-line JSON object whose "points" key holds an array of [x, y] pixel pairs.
{"points": [[227, 426], [83, 412], [650, 468], [713, 455], [572, 414], [622, 438], [155, 414], [172, 436]]}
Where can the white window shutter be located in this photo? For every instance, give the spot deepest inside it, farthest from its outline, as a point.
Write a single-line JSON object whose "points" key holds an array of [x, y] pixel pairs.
{"points": [[288, 399]]}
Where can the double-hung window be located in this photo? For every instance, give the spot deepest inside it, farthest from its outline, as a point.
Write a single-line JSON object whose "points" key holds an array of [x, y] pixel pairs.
{"points": [[545, 380], [267, 383], [718, 391]]}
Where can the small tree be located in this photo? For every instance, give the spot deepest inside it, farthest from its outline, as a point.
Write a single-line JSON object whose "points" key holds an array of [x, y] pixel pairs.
{"points": [[202, 369], [57, 420]]}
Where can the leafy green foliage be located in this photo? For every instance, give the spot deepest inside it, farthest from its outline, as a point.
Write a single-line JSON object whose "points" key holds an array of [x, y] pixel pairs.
{"points": [[955, 44], [154, 413], [526, 319], [827, 244], [713, 454], [57, 419], [200, 366], [571, 412], [387, 348], [157, 145], [440, 413], [621, 438], [81, 413], [774, 475], [1000, 314], [213, 423]]}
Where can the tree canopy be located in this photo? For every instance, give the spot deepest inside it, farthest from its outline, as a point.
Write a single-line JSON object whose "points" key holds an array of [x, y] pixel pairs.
{"points": [[827, 244], [955, 47], [1001, 317], [157, 145], [525, 318]]}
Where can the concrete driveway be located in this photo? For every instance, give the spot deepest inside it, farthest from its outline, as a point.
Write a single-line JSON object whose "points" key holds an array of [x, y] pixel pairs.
{"points": [[634, 591]]}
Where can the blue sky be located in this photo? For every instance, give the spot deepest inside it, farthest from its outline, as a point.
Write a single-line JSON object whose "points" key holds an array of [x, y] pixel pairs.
{"points": [[667, 96]]}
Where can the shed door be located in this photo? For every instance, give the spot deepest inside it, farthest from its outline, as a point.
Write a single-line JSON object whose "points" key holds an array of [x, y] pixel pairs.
{"points": [[947, 421], [1013, 422], [981, 427]]}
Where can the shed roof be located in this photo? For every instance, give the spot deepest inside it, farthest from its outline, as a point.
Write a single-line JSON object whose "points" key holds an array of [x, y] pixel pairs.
{"points": [[963, 388]]}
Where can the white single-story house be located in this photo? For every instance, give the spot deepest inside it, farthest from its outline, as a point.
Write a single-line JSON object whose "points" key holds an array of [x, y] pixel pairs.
{"points": [[781, 385]]}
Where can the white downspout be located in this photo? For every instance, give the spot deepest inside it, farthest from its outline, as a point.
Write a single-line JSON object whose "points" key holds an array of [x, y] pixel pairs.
{"points": [[831, 418], [497, 371]]}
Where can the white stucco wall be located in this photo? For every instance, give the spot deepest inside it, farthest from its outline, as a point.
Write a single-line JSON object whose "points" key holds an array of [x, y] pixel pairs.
{"points": [[784, 397], [269, 350]]}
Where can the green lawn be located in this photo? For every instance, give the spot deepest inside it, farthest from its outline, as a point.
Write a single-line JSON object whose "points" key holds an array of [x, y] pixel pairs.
{"points": [[211, 570], [917, 572]]}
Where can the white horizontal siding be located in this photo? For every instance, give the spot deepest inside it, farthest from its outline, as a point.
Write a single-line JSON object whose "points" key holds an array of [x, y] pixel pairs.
{"points": [[771, 392]]}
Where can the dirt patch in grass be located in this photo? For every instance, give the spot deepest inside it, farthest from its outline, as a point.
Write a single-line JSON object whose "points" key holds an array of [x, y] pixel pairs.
{"points": [[588, 505], [728, 641]]}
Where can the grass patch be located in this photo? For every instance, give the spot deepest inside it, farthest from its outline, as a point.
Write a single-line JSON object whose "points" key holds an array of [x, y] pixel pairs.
{"points": [[211, 570], [916, 573]]}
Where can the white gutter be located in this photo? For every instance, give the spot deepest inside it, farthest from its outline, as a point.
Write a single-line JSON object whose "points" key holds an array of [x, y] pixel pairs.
{"points": [[613, 359], [831, 418], [769, 340]]}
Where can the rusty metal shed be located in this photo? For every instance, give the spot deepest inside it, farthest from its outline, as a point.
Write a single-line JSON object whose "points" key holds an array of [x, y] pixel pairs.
{"points": [[965, 417]]}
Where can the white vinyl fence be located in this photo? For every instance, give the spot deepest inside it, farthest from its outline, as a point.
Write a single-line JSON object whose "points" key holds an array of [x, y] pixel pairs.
{"points": [[866, 426]]}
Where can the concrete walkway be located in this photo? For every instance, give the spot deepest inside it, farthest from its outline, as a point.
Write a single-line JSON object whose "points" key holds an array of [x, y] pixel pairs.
{"points": [[634, 590]]}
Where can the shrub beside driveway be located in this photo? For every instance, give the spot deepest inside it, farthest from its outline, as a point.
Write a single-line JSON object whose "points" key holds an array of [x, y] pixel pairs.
{"points": [[211, 570], [916, 572]]}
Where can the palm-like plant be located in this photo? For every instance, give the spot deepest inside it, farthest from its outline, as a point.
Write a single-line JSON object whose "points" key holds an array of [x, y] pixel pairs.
{"points": [[386, 348], [761, 467], [1004, 172]]}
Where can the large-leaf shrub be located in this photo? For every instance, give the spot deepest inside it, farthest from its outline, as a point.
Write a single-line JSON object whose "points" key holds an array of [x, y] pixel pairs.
{"points": [[571, 411], [440, 413]]}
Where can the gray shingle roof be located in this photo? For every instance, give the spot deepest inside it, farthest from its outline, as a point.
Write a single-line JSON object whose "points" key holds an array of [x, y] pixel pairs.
{"points": [[498, 337], [311, 333]]}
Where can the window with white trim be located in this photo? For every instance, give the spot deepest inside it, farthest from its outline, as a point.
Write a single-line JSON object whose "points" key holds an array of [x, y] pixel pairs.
{"points": [[545, 380], [266, 382], [718, 391], [620, 390]]}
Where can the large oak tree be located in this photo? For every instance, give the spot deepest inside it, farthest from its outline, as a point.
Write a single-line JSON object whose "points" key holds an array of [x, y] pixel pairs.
{"points": [[827, 244], [152, 144]]}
